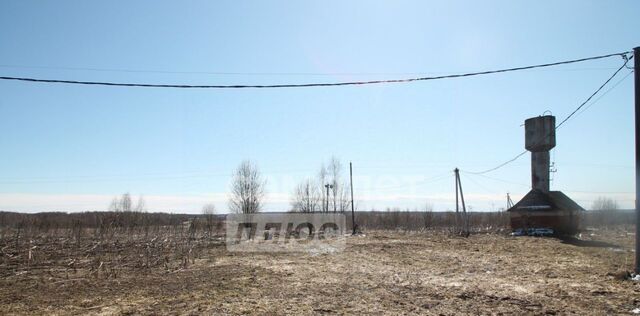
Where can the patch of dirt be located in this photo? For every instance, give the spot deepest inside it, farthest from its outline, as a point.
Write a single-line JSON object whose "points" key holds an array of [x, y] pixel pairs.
{"points": [[380, 273]]}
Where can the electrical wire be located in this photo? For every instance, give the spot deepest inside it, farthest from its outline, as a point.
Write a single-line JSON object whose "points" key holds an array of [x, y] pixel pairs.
{"points": [[500, 165], [308, 85], [601, 192], [495, 179], [594, 93], [226, 73], [527, 185], [133, 178], [466, 177], [417, 183], [605, 93], [627, 59]]}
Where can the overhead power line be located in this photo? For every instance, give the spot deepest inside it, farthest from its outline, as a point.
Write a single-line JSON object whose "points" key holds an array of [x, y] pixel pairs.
{"points": [[229, 73], [500, 165], [605, 93], [308, 85], [138, 177], [595, 92], [417, 183], [627, 59]]}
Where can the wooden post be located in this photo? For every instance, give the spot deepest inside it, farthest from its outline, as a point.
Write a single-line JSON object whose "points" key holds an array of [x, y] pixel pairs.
{"points": [[636, 66], [465, 219], [465, 216], [353, 212], [456, 176]]}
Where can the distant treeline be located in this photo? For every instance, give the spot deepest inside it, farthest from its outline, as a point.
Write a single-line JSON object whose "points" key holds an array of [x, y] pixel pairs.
{"points": [[396, 219], [608, 218], [391, 219], [55, 220]]}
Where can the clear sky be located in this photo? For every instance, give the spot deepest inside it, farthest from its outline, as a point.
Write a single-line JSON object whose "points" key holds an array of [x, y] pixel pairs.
{"points": [[73, 148]]}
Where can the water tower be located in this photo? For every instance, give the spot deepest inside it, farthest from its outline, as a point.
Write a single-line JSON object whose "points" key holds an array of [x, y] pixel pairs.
{"points": [[539, 138], [541, 207]]}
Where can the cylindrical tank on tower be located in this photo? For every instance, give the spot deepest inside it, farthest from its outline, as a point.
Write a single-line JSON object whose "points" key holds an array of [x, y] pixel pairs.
{"points": [[540, 133]]}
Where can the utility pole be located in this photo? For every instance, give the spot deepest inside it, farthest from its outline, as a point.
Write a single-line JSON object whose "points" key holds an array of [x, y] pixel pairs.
{"points": [[636, 75], [328, 186], [353, 212], [465, 218], [456, 172]]}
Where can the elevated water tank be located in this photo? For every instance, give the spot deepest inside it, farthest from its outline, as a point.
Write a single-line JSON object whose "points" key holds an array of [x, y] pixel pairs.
{"points": [[540, 133]]}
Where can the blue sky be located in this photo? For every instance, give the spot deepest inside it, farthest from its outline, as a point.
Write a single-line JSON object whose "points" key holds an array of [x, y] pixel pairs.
{"points": [[73, 148]]}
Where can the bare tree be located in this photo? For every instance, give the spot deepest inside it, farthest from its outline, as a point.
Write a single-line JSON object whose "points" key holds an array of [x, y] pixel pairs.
{"points": [[339, 194], [209, 210], [127, 215], [333, 193], [114, 205], [141, 206], [344, 199], [125, 204], [306, 198], [322, 181], [427, 215], [335, 168], [604, 204], [247, 189]]}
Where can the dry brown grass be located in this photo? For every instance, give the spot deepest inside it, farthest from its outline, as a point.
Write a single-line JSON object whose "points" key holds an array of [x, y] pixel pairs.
{"points": [[379, 273]]}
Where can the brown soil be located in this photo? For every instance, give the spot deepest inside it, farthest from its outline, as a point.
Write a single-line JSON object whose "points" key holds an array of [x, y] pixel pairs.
{"points": [[379, 273]]}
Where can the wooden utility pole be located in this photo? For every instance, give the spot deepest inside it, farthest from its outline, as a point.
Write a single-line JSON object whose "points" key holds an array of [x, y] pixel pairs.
{"points": [[328, 186], [465, 219], [353, 212], [465, 216], [636, 66], [456, 178]]}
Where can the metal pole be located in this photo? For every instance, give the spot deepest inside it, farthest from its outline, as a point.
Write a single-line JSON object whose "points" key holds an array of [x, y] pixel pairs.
{"points": [[353, 212], [464, 208], [327, 208], [457, 223], [636, 66], [324, 202], [456, 172], [508, 204], [465, 217]]}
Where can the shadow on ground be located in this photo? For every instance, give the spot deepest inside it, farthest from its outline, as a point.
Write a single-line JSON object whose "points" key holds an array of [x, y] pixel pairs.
{"points": [[587, 243]]}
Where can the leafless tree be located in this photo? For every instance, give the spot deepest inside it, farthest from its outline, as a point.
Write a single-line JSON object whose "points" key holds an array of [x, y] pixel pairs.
{"points": [[126, 214], [209, 210], [141, 206], [427, 215], [339, 194], [329, 193], [322, 181], [247, 189], [335, 168], [114, 205], [306, 198], [124, 204], [344, 199], [604, 204]]}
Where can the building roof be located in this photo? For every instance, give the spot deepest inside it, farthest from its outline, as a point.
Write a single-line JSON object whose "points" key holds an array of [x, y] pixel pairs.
{"points": [[540, 201]]}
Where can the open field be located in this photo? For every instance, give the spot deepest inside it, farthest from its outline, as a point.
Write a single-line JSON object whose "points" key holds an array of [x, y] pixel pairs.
{"points": [[379, 273]]}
